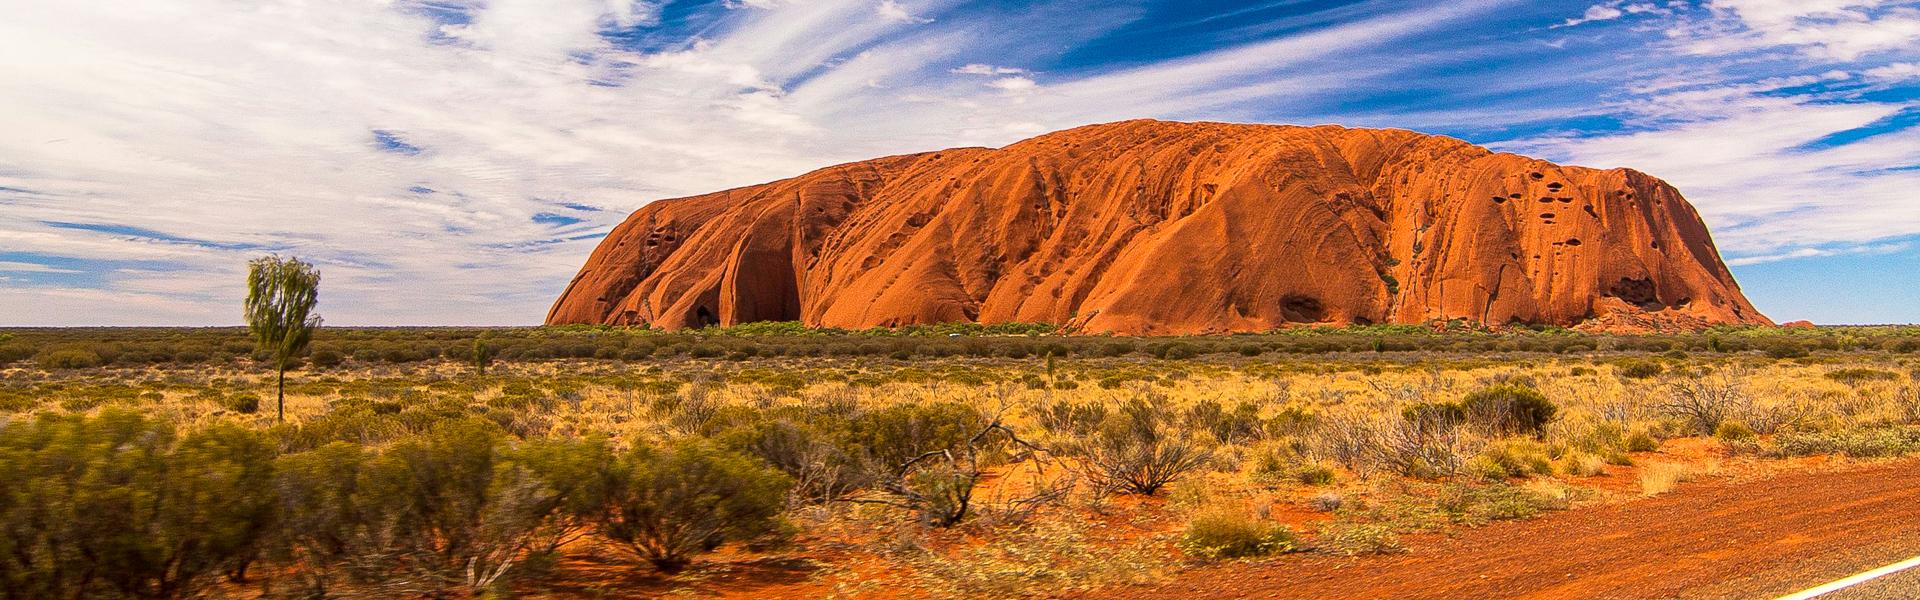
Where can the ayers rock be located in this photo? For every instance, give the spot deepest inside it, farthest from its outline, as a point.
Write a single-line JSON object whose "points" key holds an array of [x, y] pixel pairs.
{"points": [[1149, 227]]}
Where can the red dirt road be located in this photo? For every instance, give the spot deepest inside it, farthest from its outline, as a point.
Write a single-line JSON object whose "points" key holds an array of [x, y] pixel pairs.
{"points": [[1752, 539]]}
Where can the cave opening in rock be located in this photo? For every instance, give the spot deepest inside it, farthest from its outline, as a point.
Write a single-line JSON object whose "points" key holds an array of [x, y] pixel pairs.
{"points": [[1639, 292], [1297, 308]]}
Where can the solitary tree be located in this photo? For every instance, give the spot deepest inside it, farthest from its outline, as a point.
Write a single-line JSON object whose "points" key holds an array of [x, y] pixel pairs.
{"points": [[281, 293]]}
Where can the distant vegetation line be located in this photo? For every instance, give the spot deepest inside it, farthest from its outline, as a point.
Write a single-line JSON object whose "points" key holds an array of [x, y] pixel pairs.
{"points": [[62, 348]]}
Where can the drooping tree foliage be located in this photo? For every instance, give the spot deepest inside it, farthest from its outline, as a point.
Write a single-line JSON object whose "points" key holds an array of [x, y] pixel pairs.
{"points": [[281, 294]]}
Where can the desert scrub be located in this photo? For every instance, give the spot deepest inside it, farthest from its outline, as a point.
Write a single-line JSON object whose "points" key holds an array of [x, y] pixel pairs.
{"points": [[669, 504], [1731, 432], [1139, 448], [1859, 443], [1638, 369], [1511, 458], [136, 510], [1475, 505], [1509, 409], [1856, 376], [1053, 554], [1415, 506], [1347, 538], [1222, 533], [69, 358], [1661, 478]]}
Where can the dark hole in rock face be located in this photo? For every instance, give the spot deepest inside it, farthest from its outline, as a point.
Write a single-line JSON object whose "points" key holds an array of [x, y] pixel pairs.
{"points": [[1573, 242], [705, 317], [1554, 187], [1548, 216], [1515, 196], [1638, 292], [1302, 309], [1546, 200], [1499, 200], [1566, 200], [1536, 176], [1362, 321], [1590, 211]]}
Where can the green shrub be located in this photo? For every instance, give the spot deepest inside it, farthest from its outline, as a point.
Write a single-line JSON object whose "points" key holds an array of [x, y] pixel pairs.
{"points": [[802, 446], [1509, 409], [1219, 534], [1641, 441], [1228, 427], [667, 505], [893, 435], [456, 509], [69, 358], [117, 506], [1314, 474], [1734, 431], [13, 352], [1638, 369], [1512, 458], [243, 403], [326, 358], [1437, 414]]}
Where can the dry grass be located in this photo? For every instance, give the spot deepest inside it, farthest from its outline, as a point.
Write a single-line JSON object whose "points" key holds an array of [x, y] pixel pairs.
{"points": [[1323, 437]]}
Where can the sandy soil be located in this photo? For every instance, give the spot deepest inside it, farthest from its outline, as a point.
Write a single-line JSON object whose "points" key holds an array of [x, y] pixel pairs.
{"points": [[1708, 540]]}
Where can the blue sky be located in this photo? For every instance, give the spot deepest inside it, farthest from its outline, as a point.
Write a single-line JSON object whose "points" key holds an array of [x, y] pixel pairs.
{"points": [[454, 161]]}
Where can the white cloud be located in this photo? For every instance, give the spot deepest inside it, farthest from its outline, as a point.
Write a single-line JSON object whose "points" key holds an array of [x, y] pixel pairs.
{"points": [[1754, 163], [985, 69], [891, 10], [235, 132], [25, 267], [1895, 72], [1613, 10], [1843, 30], [1597, 12], [1820, 252], [229, 133], [1014, 84]]}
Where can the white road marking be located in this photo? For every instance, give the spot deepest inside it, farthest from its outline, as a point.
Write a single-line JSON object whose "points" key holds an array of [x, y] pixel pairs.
{"points": [[1854, 580]]}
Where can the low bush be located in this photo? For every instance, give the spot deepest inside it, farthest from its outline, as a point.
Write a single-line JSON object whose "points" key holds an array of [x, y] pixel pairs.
{"points": [[1660, 478], [326, 358], [1221, 534], [1638, 369], [1474, 505], [135, 512], [1734, 431], [1354, 539], [1138, 449], [243, 403], [1511, 458], [666, 505], [1858, 375], [70, 358], [1861, 443], [1641, 441], [1509, 409]]}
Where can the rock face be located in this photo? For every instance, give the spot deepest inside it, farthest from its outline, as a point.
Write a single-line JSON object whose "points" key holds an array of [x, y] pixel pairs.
{"points": [[1148, 227]]}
